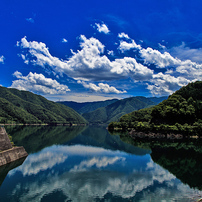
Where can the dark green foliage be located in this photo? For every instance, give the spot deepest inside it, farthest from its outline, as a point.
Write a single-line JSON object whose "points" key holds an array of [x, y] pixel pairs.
{"points": [[9, 113], [143, 115], [117, 109], [175, 109], [184, 106], [185, 164], [180, 113], [28, 108]]}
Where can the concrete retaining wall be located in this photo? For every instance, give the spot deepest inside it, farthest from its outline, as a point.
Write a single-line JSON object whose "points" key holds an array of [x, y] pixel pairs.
{"points": [[11, 155]]}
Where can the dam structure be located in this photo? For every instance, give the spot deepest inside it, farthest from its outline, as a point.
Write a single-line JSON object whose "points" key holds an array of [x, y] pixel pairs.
{"points": [[8, 153]]}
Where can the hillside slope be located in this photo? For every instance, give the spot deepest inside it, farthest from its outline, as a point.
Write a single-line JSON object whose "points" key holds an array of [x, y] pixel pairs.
{"points": [[26, 107], [115, 110], [180, 113]]}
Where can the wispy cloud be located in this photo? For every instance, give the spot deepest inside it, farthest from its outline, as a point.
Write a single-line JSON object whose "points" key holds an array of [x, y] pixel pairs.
{"points": [[64, 40], [30, 20], [38, 83], [184, 52], [98, 162]]}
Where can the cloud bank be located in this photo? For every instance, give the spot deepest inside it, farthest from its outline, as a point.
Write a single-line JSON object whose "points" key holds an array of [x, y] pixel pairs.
{"points": [[87, 64], [38, 83], [90, 64]]}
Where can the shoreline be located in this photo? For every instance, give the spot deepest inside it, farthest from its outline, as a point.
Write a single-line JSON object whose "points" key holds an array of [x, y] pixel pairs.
{"points": [[38, 124], [152, 135]]}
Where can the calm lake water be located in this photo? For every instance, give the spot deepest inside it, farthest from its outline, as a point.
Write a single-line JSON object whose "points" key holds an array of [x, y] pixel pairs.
{"points": [[89, 164]]}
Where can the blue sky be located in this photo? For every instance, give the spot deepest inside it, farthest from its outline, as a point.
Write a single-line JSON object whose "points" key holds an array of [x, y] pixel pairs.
{"points": [[97, 50]]}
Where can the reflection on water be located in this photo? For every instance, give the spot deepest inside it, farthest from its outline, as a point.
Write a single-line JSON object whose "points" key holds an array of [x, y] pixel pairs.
{"points": [[185, 164], [92, 166], [6, 168]]}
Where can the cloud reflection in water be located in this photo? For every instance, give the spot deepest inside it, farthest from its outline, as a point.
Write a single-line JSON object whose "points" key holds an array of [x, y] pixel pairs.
{"points": [[86, 173]]}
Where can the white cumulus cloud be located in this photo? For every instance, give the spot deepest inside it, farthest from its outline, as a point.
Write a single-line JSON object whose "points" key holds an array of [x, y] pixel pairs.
{"points": [[87, 63], [178, 72], [104, 88], [64, 40], [188, 69], [38, 83], [2, 58], [102, 28], [110, 52], [161, 60], [125, 46], [123, 35], [164, 84]]}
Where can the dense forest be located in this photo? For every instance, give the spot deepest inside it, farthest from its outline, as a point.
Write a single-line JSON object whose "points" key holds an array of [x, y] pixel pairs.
{"points": [[23, 107], [114, 111], [180, 113]]}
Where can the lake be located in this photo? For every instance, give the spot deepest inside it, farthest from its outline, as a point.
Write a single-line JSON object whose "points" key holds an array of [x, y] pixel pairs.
{"points": [[89, 164]]}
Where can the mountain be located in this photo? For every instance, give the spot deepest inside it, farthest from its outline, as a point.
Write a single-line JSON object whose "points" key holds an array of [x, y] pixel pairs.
{"points": [[180, 113], [115, 110], [86, 107], [28, 108], [157, 100]]}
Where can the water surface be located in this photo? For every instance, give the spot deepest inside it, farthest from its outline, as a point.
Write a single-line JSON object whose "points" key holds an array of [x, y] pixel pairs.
{"points": [[89, 164]]}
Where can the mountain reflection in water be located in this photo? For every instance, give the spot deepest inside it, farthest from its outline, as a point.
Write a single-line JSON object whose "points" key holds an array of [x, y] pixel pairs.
{"points": [[89, 165]]}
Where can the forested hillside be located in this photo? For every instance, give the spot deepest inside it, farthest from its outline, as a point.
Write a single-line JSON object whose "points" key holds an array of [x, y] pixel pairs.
{"points": [[28, 108], [180, 113], [115, 110]]}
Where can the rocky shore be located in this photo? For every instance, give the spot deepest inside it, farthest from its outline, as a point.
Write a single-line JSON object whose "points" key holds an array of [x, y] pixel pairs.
{"points": [[151, 135]]}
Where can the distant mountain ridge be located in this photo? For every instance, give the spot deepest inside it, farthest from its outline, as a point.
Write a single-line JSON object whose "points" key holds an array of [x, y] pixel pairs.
{"points": [[28, 108], [85, 107], [114, 111]]}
